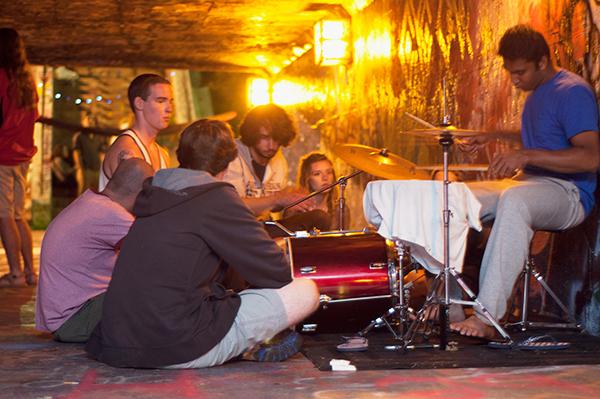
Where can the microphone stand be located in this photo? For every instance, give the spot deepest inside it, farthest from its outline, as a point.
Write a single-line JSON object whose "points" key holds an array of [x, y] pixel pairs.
{"points": [[342, 182]]}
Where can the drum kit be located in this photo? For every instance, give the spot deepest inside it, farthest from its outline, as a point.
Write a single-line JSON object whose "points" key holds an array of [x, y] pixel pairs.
{"points": [[360, 266]]}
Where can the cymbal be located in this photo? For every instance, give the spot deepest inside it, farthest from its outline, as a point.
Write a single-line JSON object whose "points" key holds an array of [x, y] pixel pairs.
{"points": [[436, 132], [378, 162], [456, 167]]}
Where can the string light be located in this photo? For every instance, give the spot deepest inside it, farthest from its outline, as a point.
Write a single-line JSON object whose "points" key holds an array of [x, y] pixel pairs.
{"points": [[98, 98]]}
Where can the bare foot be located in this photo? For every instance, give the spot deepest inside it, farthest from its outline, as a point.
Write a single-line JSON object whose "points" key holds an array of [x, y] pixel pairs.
{"points": [[455, 313], [473, 327]]}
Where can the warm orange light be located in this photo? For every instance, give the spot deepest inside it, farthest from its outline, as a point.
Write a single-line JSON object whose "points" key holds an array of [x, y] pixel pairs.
{"points": [[286, 92], [332, 38], [259, 92]]}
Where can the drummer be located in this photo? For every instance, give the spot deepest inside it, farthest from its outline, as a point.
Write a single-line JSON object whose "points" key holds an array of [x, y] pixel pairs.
{"points": [[549, 183], [315, 172]]}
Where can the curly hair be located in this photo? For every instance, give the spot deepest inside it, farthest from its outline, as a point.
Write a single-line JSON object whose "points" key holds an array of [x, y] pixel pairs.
{"points": [[271, 117], [206, 145], [13, 60], [523, 42]]}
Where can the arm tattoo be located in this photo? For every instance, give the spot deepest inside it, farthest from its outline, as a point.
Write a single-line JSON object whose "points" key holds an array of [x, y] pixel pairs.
{"points": [[124, 154]]}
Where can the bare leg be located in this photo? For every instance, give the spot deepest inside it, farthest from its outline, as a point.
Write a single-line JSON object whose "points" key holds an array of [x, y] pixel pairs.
{"points": [[300, 299], [11, 239], [26, 245]]}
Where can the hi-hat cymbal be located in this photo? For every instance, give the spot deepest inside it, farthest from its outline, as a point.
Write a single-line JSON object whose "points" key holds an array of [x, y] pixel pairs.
{"points": [[378, 162], [439, 131]]}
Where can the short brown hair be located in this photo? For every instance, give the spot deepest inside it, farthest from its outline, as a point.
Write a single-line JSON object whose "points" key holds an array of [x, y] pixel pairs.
{"points": [[206, 145], [140, 87], [271, 117]]}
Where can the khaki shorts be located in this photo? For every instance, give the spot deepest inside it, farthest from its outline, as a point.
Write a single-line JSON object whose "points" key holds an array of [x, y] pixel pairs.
{"points": [[13, 187], [259, 318]]}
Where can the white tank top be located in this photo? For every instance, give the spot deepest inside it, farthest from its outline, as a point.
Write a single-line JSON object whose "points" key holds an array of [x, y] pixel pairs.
{"points": [[163, 164]]}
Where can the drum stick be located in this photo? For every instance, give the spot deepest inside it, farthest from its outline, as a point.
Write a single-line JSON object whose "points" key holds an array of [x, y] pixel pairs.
{"points": [[421, 121], [459, 167]]}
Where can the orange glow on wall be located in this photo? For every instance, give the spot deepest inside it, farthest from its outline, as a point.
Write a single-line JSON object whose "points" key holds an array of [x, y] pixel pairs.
{"points": [[286, 92]]}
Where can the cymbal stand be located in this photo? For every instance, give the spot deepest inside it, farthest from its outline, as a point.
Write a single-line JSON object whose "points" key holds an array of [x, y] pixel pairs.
{"points": [[446, 140], [342, 182], [395, 319]]}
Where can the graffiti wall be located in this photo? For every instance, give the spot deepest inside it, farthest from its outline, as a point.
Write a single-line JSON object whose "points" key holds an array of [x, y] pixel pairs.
{"points": [[432, 59]]}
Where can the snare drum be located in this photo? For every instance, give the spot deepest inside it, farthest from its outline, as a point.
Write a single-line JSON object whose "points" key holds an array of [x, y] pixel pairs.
{"points": [[347, 267]]}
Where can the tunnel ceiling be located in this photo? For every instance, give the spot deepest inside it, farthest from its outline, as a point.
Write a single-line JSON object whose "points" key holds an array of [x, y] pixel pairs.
{"points": [[231, 35]]}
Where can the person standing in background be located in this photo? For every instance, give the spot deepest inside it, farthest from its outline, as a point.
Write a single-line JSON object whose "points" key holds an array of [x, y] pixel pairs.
{"points": [[18, 113], [88, 154]]}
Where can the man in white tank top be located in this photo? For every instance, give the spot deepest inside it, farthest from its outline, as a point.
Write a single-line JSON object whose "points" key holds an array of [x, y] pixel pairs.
{"points": [[151, 100]]}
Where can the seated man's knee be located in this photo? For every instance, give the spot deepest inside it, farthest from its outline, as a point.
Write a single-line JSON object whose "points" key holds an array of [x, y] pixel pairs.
{"points": [[512, 199]]}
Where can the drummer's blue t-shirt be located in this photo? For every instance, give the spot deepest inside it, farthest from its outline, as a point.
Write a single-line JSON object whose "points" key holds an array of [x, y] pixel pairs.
{"points": [[554, 112]]}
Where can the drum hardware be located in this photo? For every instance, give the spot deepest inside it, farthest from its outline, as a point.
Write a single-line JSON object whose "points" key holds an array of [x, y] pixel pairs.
{"points": [[325, 300], [342, 182], [396, 318], [446, 136], [282, 227], [528, 271]]}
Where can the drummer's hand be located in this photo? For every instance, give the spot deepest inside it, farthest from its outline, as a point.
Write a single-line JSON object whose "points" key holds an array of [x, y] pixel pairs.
{"points": [[472, 145], [507, 164]]}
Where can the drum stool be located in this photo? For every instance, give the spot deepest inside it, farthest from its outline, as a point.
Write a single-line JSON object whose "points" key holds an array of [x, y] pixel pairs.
{"points": [[529, 270]]}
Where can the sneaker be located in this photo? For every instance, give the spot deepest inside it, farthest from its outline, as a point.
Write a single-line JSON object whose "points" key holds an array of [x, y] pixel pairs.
{"points": [[12, 280], [31, 278], [282, 346]]}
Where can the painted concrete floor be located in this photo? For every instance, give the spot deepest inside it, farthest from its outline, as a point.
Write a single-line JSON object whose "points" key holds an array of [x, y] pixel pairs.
{"points": [[33, 366]]}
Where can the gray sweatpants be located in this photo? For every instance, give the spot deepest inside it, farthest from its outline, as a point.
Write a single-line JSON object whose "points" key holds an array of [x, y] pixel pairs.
{"points": [[519, 206]]}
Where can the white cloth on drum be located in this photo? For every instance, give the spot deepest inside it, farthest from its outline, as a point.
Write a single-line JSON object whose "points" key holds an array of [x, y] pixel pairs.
{"points": [[412, 211]]}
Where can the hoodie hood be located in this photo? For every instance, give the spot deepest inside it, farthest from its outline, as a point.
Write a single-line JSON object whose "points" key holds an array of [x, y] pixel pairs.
{"points": [[179, 178], [172, 187]]}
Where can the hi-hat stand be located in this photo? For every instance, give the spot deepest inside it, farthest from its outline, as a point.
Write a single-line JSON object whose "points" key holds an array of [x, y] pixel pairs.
{"points": [[446, 140]]}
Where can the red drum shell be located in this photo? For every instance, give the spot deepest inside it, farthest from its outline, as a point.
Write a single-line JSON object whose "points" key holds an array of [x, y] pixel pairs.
{"points": [[343, 266]]}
